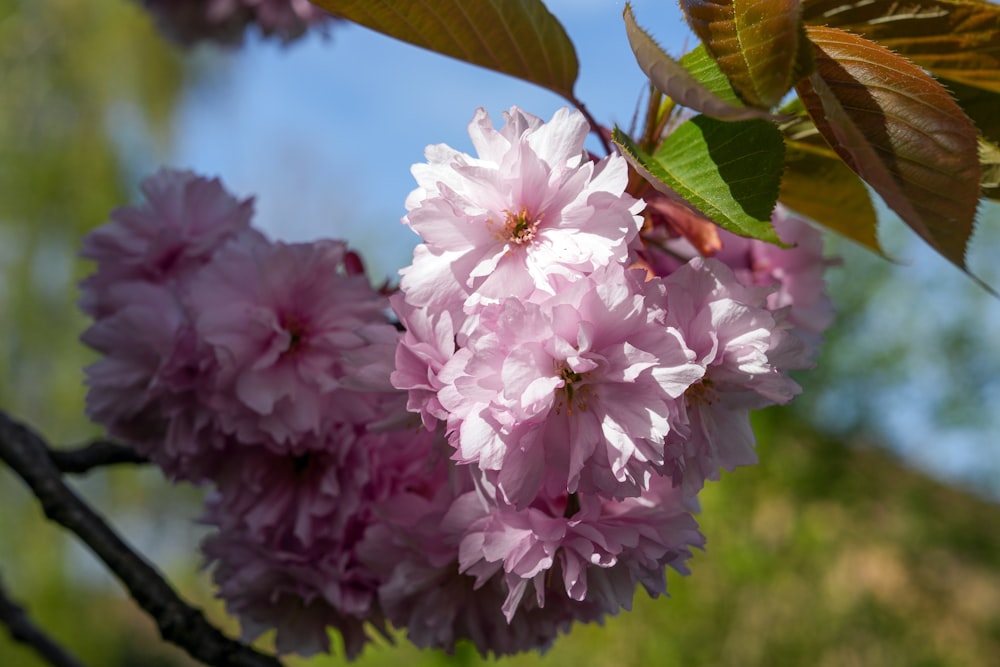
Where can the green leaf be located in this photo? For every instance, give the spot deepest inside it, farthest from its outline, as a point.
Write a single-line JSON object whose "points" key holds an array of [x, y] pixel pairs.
{"points": [[516, 37], [728, 171], [899, 130], [755, 43], [955, 39], [989, 161], [704, 68], [676, 82]]}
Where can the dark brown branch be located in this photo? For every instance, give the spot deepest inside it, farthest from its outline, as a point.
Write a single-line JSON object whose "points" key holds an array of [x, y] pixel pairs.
{"points": [[23, 630], [94, 455], [179, 623]]}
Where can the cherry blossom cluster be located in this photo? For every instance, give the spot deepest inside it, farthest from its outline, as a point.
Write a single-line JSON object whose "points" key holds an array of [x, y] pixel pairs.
{"points": [[226, 21], [242, 364], [509, 443], [590, 390]]}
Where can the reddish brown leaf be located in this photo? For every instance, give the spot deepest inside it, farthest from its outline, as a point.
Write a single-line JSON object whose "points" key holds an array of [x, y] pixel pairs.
{"points": [[755, 43], [678, 83], [955, 39], [899, 130]]}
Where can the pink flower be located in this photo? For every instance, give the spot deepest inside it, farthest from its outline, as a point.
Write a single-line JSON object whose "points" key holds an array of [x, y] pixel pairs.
{"points": [[531, 209], [136, 341], [741, 345], [214, 338], [416, 556], [598, 549], [186, 219], [225, 21], [416, 562], [287, 552], [438, 606], [577, 391], [423, 350], [796, 272], [297, 499], [297, 545], [299, 592], [288, 19], [147, 388], [282, 322]]}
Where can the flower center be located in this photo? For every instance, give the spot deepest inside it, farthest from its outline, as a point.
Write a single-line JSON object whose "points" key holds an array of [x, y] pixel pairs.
{"points": [[574, 392], [702, 393], [572, 506], [300, 463], [520, 228], [296, 332]]}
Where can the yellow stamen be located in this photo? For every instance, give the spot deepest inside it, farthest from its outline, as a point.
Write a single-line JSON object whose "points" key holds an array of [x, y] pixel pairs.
{"points": [[519, 228]]}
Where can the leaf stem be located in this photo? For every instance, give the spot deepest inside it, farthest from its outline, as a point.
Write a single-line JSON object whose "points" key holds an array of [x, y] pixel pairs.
{"points": [[595, 127]]}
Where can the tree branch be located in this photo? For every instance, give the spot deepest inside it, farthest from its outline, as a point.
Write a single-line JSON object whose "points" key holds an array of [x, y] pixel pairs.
{"points": [[94, 455], [23, 630], [179, 623]]}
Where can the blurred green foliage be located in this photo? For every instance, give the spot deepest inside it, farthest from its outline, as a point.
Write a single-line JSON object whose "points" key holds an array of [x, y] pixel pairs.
{"points": [[78, 79], [830, 552]]}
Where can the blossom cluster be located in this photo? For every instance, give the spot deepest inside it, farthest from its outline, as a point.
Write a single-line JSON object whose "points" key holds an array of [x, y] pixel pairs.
{"points": [[590, 391], [226, 21], [508, 444], [240, 363]]}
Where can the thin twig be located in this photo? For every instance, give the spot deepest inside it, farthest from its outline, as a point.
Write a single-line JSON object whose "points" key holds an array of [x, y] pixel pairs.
{"points": [[94, 455], [179, 623], [595, 127], [23, 630]]}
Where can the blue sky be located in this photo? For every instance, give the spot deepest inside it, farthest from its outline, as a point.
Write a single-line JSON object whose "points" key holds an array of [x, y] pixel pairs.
{"points": [[324, 132]]}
